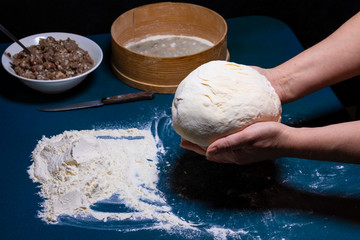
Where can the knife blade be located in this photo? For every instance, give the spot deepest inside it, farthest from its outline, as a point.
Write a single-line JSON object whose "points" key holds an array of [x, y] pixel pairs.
{"points": [[131, 97]]}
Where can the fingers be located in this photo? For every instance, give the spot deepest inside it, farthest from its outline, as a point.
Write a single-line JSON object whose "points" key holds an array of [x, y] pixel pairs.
{"points": [[225, 157], [226, 144], [219, 158], [229, 149], [222, 156], [193, 147], [257, 142], [220, 151]]}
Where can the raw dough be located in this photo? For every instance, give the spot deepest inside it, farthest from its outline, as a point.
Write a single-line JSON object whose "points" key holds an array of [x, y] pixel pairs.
{"points": [[219, 98]]}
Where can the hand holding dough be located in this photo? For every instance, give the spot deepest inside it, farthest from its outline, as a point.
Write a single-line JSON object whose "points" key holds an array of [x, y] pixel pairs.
{"points": [[220, 98]]}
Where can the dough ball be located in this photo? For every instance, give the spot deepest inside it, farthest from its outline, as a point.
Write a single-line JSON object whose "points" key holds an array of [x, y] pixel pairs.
{"points": [[220, 98]]}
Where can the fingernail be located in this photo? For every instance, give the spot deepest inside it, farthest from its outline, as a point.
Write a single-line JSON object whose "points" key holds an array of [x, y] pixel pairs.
{"points": [[212, 151]]}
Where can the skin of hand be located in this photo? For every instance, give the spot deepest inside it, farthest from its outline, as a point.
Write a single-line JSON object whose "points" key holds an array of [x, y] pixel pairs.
{"points": [[255, 143], [333, 60], [268, 140]]}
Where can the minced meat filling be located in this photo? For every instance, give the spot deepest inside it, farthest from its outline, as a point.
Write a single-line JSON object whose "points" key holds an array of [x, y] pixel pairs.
{"points": [[52, 59]]}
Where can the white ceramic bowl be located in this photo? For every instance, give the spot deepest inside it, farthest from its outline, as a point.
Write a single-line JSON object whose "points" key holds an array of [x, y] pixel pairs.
{"points": [[53, 86]]}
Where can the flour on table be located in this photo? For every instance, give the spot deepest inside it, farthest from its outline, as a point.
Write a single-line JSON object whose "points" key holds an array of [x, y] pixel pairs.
{"points": [[77, 169]]}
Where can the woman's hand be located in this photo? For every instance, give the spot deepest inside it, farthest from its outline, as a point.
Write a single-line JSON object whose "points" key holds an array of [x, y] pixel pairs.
{"points": [[268, 140], [333, 60], [259, 141]]}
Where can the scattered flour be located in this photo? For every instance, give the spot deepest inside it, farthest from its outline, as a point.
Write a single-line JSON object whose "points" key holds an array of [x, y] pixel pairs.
{"points": [[220, 233], [77, 169], [80, 172]]}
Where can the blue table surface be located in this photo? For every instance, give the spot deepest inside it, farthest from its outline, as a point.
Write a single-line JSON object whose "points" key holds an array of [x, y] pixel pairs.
{"points": [[284, 198]]}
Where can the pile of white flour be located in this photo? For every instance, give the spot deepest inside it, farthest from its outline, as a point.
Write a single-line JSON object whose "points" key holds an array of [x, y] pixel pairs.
{"points": [[77, 169]]}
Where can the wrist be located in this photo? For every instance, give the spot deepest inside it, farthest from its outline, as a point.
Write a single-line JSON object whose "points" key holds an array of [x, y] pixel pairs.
{"points": [[281, 82], [319, 143]]}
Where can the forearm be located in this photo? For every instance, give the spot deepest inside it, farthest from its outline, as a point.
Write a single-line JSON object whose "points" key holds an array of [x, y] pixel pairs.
{"points": [[338, 142], [333, 60]]}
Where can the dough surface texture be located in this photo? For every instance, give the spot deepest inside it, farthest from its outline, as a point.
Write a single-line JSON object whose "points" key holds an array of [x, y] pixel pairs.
{"points": [[220, 98]]}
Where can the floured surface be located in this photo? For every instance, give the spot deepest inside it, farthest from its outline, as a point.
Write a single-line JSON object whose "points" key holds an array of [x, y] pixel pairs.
{"points": [[183, 196], [20, 202], [77, 169]]}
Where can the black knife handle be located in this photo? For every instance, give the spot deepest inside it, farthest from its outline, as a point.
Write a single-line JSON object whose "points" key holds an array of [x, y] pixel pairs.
{"points": [[131, 97]]}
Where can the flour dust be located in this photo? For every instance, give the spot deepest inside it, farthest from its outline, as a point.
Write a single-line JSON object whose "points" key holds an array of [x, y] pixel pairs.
{"points": [[108, 179]]}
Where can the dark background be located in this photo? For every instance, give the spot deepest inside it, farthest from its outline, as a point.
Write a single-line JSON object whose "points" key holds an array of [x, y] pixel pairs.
{"points": [[311, 21]]}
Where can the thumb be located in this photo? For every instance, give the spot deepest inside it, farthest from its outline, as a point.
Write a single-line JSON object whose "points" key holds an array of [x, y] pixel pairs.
{"points": [[224, 144]]}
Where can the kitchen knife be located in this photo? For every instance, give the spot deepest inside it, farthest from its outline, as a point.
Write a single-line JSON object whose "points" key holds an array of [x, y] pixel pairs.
{"points": [[131, 97]]}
